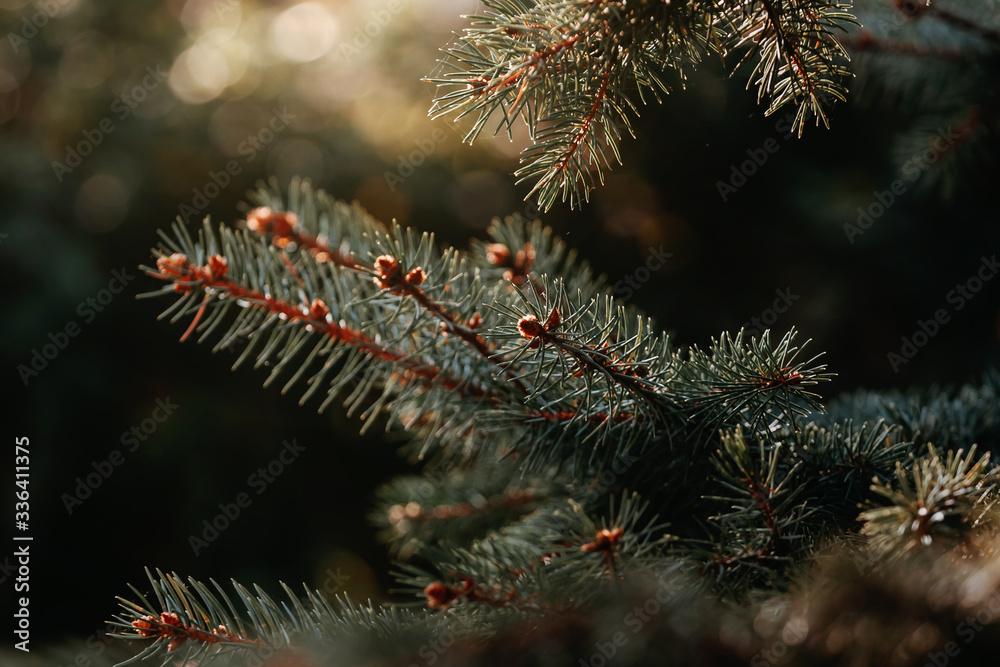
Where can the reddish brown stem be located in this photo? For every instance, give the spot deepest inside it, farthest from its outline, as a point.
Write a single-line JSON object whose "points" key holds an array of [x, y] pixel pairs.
{"points": [[761, 495], [187, 276], [169, 626], [588, 120], [786, 45], [529, 63]]}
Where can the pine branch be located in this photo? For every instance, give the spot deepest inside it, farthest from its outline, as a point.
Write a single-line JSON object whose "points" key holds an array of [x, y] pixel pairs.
{"points": [[194, 622], [285, 231], [764, 508], [576, 71], [800, 60], [740, 383], [191, 623], [533, 563], [529, 505]]}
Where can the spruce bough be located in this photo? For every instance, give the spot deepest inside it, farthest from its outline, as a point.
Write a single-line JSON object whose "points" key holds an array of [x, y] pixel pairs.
{"points": [[589, 494], [585, 484]]}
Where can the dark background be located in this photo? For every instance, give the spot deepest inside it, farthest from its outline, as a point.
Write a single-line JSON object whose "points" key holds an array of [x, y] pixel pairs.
{"points": [[356, 114]]}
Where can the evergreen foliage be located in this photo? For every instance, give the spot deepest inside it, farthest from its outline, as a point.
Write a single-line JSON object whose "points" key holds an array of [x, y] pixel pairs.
{"points": [[577, 70], [574, 462], [588, 493]]}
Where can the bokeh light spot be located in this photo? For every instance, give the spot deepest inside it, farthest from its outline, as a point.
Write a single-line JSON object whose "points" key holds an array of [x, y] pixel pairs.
{"points": [[304, 32], [200, 73]]}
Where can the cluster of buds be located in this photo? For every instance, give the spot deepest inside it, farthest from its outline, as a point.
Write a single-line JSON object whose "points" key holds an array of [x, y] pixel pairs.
{"points": [[318, 310], [175, 266], [169, 625], [388, 274], [178, 267], [282, 226], [440, 595], [518, 264], [149, 626], [531, 328], [605, 541], [386, 271], [217, 267], [263, 220]]}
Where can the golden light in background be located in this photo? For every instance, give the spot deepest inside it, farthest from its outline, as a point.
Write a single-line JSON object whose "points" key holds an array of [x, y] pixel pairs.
{"points": [[198, 16], [200, 73], [217, 59], [304, 32]]}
